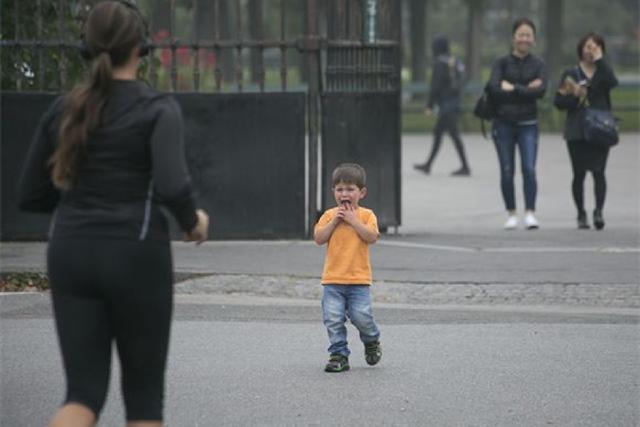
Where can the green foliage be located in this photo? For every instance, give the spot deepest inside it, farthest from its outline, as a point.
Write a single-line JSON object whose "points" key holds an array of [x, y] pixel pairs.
{"points": [[40, 68], [23, 282]]}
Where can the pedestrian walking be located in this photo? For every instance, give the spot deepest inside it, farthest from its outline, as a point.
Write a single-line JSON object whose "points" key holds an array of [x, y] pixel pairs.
{"points": [[587, 84], [447, 82], [105, 158], [348, 229], [517, 81]]}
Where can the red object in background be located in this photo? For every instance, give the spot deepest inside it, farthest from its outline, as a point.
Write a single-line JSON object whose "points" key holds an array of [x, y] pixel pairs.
{"points": [[183, 54]]}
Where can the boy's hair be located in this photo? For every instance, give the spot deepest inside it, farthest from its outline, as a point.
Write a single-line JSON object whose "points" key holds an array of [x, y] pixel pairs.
{"points": [[349, 173]]}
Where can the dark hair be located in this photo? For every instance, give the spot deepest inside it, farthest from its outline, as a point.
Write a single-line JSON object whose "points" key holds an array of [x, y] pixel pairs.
{"points": [[597, 39], [349, 173], [112, 30], [440, 45], [523, 21]]}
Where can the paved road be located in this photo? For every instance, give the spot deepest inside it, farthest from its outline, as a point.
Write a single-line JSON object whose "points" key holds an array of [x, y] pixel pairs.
{"points": [[259, 362], [494, 328]]}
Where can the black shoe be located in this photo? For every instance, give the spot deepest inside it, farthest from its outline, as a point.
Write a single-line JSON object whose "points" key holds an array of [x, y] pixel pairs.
{"points": [[423, 167], [583, 222], [461, 172], [372, 352], [337, 363], [598, 220]]}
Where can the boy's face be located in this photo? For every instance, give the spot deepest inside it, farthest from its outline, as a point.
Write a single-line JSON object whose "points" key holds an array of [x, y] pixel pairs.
{"points": [[346, 193]]}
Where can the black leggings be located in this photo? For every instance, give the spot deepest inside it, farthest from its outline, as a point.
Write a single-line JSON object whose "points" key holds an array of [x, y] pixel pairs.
{"points": [[447, 123], [107, 290], [584, 158]]}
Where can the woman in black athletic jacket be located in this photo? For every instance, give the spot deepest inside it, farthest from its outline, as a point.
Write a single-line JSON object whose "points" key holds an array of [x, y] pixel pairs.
{"points": [[589, 82], [104, 159]]}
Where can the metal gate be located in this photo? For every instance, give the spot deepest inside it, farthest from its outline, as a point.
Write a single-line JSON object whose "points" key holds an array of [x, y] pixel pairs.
{"points": [[253, 77]]}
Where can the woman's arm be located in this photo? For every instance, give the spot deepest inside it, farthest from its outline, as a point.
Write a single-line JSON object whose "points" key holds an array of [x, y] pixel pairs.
{"points": [[36, 192], [534, 89], [171, 178], [603, 78]]}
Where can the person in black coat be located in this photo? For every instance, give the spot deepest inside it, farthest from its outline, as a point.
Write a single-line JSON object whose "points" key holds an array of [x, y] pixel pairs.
{"points": [[588, 83], [447, 82], [517, 81]]}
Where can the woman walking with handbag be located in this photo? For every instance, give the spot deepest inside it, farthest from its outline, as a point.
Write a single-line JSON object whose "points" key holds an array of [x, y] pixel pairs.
{"points": [[587, 84], [517, 81], [106, 157]]}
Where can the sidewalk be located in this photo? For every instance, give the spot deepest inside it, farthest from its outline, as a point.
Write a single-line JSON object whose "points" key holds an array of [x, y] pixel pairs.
{"points": [[450, 248]]}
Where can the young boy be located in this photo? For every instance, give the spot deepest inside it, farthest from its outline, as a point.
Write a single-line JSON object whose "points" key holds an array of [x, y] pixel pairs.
{"points": [[349, 229]]}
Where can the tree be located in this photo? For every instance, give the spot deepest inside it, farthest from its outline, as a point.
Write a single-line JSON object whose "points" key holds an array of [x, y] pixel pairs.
{"points": [[553, 50], [418, 10], [474, 38]]}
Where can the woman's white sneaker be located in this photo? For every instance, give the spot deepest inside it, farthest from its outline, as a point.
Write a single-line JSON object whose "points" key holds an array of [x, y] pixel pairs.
{"points": [[512, 223], [530, 222]]}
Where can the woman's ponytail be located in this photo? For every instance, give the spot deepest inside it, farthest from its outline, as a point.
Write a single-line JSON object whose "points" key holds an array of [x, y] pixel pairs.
{"points": [[112, 31], [81, 115]]}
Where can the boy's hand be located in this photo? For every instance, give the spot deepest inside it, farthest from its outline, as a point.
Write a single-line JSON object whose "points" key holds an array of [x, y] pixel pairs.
{"points": [[349, 215]]}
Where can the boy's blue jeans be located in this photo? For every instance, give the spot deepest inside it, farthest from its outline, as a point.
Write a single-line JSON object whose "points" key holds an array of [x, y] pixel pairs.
{"points": [[340, 301], [506, 136]]}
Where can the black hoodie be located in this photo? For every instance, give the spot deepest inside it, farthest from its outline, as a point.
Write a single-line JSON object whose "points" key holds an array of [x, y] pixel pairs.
{"points": [[447, 79]]}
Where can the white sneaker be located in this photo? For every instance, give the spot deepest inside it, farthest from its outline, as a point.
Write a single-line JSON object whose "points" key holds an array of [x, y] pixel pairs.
{"points": [[530, 222], [512, 223]]}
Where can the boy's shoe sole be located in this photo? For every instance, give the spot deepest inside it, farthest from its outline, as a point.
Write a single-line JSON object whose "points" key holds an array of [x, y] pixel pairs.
{"points": [[337, 363], [334, 370]]}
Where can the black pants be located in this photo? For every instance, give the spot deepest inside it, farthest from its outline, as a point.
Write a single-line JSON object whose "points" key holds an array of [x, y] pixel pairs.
{"points": [[107, 290], [447, 122], [584, 158]]}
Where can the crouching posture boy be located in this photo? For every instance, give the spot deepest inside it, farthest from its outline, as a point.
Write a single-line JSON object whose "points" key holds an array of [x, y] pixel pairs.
{"points": [[348, 229]]}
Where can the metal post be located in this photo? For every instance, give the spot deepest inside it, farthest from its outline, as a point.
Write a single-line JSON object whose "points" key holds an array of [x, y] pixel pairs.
{"points": [[312, 51], [172, 30], [195, 46], [16, 29], [62, 66], [370, 18], [239, 70], [283, 49], [217, 72]]}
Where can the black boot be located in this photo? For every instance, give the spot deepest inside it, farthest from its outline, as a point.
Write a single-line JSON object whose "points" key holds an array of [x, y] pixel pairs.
{"points": [[583, 222], [463, 171], [423, 167], [598, 220]]}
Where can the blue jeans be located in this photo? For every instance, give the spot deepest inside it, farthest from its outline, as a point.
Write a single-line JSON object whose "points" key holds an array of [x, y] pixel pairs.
{"points": [[506, 136], [338, 301]]}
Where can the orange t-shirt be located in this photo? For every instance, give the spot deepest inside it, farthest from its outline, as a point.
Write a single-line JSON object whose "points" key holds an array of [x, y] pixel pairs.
{"points": [[347, 259]]}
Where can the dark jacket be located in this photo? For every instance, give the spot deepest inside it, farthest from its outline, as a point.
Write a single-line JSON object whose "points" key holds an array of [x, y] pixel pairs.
{"points": [[134, 164], [520, 104], [446, 84], [447, 78], [598, 89]]}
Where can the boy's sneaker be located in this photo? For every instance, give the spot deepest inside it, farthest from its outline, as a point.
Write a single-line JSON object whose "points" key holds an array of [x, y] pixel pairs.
{"points": [[372, 352], [337, 363]]}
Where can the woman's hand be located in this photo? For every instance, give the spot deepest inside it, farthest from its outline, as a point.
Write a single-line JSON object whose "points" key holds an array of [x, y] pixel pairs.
{"points": [[200, 232], [596, 52], [506, 86], [535, 84]]}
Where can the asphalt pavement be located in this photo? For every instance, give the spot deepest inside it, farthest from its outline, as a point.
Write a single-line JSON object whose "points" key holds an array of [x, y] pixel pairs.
{"points": [[480, 326]]}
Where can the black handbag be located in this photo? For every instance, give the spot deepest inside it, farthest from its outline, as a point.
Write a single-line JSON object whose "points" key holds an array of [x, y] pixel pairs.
{"points": [[485, 109], [600, 127]]}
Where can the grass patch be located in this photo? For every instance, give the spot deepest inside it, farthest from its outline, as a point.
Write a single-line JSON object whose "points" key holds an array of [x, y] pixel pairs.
{"points": [[23, 282]]}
